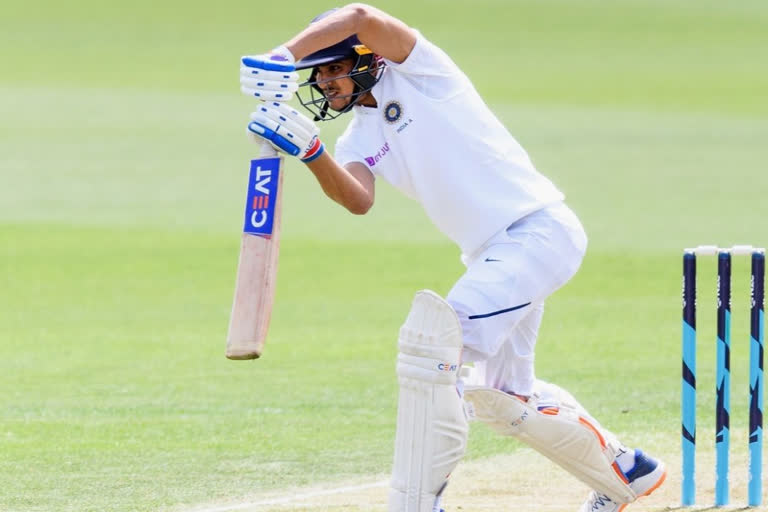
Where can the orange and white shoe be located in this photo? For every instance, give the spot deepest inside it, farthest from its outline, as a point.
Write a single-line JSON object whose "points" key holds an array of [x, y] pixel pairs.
{"points": [[645, 477]]}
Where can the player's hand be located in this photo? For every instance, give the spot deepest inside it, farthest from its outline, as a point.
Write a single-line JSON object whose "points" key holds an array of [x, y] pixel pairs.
{"points": [[287, 130], [269, 77]]}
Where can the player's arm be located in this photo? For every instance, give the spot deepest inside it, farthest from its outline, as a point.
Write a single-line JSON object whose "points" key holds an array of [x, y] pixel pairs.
{"points": [[272, 76], [293, 133], [383, 34], [352, 186]]}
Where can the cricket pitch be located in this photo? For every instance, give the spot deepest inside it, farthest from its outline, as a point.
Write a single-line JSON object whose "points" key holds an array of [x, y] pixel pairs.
{"points": [[524, 481]]}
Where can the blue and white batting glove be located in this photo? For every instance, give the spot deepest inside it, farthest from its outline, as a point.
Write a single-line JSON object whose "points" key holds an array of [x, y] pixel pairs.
{"points": [[269, 77], [287, 130]]}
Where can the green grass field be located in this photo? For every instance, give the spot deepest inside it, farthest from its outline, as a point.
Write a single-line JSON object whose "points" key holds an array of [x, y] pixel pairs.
{"points": [[123, 164]]}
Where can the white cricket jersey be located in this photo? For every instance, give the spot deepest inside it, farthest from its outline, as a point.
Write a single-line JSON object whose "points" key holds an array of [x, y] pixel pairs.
{"points": [[433, 138]]}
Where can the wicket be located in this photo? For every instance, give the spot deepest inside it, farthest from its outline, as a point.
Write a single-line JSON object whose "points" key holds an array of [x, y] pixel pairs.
{"points": [[723, 372]]}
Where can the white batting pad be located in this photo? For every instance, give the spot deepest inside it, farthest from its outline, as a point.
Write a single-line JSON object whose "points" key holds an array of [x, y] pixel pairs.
{"points": [[432, 426], [558, 431]]}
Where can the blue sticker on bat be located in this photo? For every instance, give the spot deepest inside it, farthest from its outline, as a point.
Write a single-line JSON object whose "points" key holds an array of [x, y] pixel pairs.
{"points": [[262, 196]]}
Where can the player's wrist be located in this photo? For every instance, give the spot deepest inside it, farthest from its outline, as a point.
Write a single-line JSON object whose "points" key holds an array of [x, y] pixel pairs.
{"points": [[316, 148]]}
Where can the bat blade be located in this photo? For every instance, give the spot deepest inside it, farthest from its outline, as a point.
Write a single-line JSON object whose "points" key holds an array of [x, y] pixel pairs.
{"points": [[257, 266]]}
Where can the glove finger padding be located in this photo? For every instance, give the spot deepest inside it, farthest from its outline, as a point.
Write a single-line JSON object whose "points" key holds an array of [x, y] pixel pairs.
{"points": [[269, 62], [287, 130], [266, 94], [287, 117], [266, 89], [269, 77], [268, 85], [278, 135], [263, 74], [297, 116]]}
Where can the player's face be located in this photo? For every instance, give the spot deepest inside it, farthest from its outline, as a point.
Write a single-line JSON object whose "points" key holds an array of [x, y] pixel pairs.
{"points": [[337, 87]]}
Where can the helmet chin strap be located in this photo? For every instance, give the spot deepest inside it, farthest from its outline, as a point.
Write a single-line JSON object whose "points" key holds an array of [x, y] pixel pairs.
{"points": [[322, 112]]}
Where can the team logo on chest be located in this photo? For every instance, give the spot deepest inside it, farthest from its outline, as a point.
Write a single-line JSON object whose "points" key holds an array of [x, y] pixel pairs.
{"points": [[393, 111]]}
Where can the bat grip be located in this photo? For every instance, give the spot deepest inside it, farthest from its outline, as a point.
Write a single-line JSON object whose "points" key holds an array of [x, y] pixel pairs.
{"points": [[267, 150]]}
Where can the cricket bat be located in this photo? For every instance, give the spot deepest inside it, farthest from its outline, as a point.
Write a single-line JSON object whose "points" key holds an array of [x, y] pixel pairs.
{"points": [[257, 266]]}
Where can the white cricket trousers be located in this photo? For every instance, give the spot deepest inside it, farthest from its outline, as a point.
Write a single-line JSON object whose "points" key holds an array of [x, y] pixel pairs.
{"points": [[500, 298]]}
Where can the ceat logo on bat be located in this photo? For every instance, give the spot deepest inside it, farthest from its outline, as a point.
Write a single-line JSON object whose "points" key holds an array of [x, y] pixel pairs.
{"points": [[262, 193], [446, 367]]}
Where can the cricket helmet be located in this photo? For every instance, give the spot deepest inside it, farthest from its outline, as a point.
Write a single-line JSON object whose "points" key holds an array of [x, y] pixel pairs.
{"points": [[365, 72]]}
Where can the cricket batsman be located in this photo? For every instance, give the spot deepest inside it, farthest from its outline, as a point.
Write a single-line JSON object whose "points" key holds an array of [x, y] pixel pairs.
{"points": [[418, 123]]}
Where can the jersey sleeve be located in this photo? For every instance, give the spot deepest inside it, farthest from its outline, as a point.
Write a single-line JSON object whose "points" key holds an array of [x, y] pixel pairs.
{"points": [[346, 150], [430, 70]]}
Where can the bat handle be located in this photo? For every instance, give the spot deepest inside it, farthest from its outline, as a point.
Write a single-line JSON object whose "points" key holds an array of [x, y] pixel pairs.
{"points": [[267, 150]]}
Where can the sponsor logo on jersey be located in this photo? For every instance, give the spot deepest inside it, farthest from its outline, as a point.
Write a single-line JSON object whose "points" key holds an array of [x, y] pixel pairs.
{"points": [[373, 160]]}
